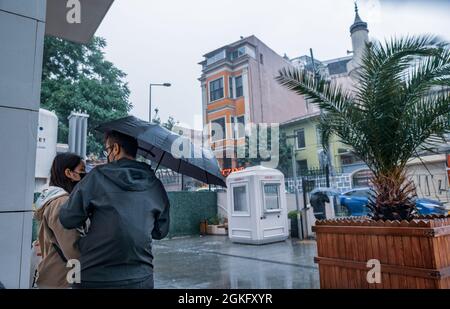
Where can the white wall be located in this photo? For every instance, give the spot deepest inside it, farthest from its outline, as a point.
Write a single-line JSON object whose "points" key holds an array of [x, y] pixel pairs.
{"points": [[291, 203], [431, 181], [222, 204]]}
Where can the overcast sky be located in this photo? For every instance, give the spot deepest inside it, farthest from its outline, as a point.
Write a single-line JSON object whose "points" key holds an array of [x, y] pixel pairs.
{"points": [[163, 41]]}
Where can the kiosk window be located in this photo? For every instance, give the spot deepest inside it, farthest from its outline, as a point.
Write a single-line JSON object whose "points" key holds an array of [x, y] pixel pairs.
{"points": [[271, 196], [240, 199]]}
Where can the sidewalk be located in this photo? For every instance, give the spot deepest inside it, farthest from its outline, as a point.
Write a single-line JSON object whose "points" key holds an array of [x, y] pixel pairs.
{"points": [[215, 262]]}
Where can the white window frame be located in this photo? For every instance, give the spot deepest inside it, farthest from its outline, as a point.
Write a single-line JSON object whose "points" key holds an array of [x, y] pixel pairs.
{"points": [[265, 210], [231, 87], [209, 89], [225, 135], [296, 138], [233, 127], [236, 126], [240, 213], [244, 52], [318, 137], [216, 57]]}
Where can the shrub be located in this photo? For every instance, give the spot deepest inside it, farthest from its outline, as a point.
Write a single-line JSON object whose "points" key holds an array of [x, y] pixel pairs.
{"points": [[293, 214]]}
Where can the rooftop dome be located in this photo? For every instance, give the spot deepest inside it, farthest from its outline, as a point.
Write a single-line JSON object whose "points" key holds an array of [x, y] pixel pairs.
{"points": [[358, 24]]}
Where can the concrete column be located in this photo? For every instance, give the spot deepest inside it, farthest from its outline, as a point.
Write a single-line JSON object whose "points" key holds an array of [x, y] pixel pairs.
{"points": [[204, 103], [22, 27]]}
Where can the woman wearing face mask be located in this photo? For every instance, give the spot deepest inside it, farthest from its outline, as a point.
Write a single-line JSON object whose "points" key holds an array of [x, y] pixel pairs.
{"points": [[57, 244]]}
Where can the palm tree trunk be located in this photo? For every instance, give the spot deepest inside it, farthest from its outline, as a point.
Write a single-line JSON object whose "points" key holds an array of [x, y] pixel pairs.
{"points": [[395, 198]]}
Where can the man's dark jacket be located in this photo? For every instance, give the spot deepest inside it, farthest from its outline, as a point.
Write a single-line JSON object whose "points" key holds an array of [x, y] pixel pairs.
{"points": [[127, 207]]}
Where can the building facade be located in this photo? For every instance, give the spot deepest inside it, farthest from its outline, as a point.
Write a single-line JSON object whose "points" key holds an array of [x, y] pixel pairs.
{"points": [[308, 149], [239, 89], [429, 172], [341, 71]]}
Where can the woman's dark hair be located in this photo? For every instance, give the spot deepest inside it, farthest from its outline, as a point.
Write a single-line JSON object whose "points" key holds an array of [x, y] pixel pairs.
{"points": [[62, 162]]}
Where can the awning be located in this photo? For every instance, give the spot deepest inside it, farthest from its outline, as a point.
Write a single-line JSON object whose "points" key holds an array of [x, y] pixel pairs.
{"points": [[91, 15]]}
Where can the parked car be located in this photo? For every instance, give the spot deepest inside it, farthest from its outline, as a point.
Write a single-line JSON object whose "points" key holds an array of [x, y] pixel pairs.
{"points": [[355, 201]]}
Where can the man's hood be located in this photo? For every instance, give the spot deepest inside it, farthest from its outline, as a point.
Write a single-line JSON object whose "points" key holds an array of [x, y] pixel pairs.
{"points": [[129, 175]]}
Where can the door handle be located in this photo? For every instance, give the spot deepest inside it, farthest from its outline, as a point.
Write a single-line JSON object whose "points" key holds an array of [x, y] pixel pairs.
{"points": [[263, 217]]}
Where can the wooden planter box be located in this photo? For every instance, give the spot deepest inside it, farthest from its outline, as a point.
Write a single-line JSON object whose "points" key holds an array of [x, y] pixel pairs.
{"points": [[412, 254], [216, 230]]}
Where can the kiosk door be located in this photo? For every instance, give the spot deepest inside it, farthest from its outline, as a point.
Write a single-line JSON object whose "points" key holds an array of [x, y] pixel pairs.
{"points": [[273, 221], [241, 225]]}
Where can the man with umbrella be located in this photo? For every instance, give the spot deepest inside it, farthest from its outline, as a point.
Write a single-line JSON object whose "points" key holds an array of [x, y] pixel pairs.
{"points": [[318, 200], [125, 206]]}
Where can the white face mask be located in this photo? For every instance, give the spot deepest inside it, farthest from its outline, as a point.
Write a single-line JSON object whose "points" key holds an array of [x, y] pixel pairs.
{"points": [[107, 158], [109, 154]]}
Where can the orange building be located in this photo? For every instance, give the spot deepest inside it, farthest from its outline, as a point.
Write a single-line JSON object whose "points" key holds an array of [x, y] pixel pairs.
{"points": [[239, 89]]}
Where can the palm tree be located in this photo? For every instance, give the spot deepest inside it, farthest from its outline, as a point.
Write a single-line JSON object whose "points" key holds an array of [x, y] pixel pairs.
{"points": [[400, 107]]}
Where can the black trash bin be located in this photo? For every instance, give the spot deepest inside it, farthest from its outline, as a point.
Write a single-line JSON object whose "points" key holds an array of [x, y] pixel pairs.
{"points": [[294, 228], [294, 224]]}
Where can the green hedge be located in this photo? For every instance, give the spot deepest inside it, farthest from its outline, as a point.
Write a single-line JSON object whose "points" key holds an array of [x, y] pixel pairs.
{"points": [[188, 209]]}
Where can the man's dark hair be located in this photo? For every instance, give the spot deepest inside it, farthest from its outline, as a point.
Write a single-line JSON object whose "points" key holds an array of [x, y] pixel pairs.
{"points": [[128, 144]]}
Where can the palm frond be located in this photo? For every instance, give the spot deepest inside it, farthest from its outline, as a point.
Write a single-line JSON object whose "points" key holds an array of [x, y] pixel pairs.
{"points": [[327, 96], [401, 106]]}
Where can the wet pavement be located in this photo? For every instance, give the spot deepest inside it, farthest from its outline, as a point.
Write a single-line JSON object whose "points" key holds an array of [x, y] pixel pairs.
{"points": [[214, 262]]}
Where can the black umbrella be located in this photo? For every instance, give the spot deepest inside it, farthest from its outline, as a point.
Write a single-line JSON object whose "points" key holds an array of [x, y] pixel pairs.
{"points": [[169, 149]]}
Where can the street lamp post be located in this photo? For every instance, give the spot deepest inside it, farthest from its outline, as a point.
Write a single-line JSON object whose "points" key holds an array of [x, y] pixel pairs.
{"points": [[294, 171], [150, 98], [297, 200]]}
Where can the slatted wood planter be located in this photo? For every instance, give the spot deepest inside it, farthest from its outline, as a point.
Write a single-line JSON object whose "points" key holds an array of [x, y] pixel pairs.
{"points": [[413, 254]]}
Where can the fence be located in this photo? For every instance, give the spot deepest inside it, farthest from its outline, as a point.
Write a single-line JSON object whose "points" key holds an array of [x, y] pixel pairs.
{"points": [[428, 185], [174, 181], [317, 178]]}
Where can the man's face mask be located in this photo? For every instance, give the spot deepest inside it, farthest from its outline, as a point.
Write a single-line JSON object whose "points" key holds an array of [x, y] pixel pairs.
{"points": [[108, 153]]}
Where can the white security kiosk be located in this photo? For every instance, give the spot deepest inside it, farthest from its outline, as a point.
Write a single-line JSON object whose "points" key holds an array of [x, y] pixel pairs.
{"points": [[256, 202]]}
